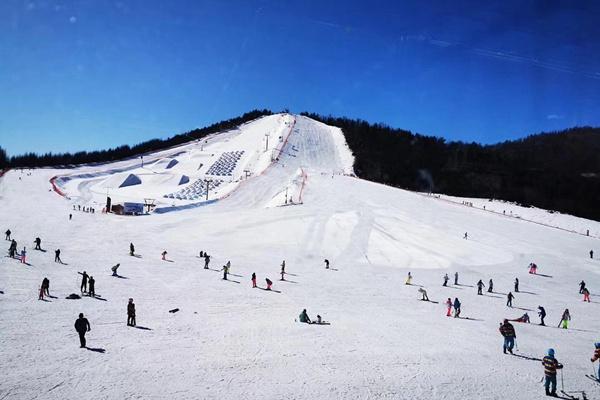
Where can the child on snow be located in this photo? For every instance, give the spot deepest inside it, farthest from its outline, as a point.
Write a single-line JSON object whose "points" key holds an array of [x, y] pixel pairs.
{"points": [[449, 306], [550, 364]]}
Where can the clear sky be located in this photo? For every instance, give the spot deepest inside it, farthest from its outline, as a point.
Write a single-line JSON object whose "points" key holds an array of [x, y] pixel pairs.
{"points": [[80, 75]]}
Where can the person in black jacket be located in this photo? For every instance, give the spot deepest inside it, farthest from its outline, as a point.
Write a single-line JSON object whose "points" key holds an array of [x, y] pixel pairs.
{"points": [[508, 332], [7, 233], [82, 326], [57, 256], [92, 288], [542, 314], [130, 313]]}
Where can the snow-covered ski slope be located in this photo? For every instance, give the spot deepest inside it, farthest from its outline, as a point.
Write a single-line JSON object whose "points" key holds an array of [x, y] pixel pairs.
{"points": [[229, 341]]}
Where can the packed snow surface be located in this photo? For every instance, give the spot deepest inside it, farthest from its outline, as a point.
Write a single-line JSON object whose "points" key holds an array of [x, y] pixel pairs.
{"points": [[229, 341]]}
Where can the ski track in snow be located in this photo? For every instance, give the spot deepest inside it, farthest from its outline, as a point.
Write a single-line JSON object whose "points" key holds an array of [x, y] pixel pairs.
{"points": [[230, 341]]}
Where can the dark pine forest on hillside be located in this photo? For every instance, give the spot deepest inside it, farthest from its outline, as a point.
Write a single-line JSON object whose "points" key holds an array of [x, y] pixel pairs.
{"points": [[556, 171]]}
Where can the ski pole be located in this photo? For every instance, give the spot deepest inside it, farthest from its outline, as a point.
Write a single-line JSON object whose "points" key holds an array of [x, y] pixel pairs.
{"points": [[562, 381]]}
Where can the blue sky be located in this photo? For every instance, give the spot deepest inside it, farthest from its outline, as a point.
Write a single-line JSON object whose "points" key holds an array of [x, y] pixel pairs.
{"points": [[80, 75]]}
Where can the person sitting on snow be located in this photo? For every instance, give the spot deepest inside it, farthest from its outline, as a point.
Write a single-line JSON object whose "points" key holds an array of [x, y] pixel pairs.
{"points": [[304, 317]]}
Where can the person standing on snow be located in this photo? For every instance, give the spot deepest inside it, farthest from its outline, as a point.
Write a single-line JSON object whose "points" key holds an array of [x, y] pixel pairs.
{"points": [[82, 326], [23, 255], [12, 249], [466, 236], [491, 286], [130, 313], [449, 307], [38, 243], [131, 249], [57, 256], [456, 278], [516, 285], [84, 281], [597, 357], [326, 264], [225, 270], [114, 269], [542, 314], [592, 254], [253, 279], [508, 331], [586, 295], [423, 294], [581, 287], [550, 364], [480, 287], [446, 279], [92, 291], [164, 255], [509, 299], [206, 260], [456, 308], [566, 317], [283, 270], [269, 283], [408, 279], [7, 233], [46, 286]]}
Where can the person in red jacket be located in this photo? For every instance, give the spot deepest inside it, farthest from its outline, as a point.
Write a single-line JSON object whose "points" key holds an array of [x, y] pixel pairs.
{"points": [[269, 283], [254, 279], [449, 305], [586, 295]]}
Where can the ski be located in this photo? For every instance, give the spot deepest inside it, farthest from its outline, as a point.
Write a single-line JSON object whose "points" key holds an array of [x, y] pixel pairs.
{"points": [[592, 377], [568, 396]]}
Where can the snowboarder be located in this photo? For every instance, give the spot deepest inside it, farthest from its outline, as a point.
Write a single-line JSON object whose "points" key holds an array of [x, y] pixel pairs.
{"points": [[532, 268], [84, 281], [423, 294], [466, 235], [269, 283], [456, 308], [446, 279], [38, 243], [23, 255], [408, 279], [206, 260], [516, 285], [509, 299], [581, 287], [564, 321], [596, 357], [114, 269], [131, 249], [164, 255], [283, 270], [225, 270], [57, 256], [508, 331], [92, 290], [449, 307], [303, 317], [326, 264], [480, 287], [586, 295], [551, 364], [456, 278], [46, 286], [7, 233], [82, 326], [542, 314], [130, 313], [253, 279], [491, 286]]}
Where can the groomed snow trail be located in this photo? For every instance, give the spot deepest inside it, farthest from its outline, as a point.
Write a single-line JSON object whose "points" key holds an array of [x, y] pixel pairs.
{"points": [[229, 341]]}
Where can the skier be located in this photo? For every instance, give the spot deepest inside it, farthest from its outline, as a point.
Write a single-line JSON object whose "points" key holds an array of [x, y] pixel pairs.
{"points": [[408, 279], [164, 255], [446, 279], [131, 249], [12, 249], [23, 255], [566, 317], [206, 260], [586, 295], [480, 287], [130, 313], [466, 235], [516, 285], [509, 299], [253, 279], [84, 281], [114, 269], [551, 364], [491, 286], [303, 317], [581, 287], [449, 307], [225, 270], [596, 357], [283, 270], [326, 264], [456, 278], [508, 331], [269, 283], [41, 294], [456, 308], [46, 286], [92, 291], [57, 256], [7, 233], [38, 243], [82, 326], [423, 294], [592, 254], [542, 314]]}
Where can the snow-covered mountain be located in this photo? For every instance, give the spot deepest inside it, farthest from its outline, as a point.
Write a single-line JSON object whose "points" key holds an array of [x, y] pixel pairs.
{"points": [[282, 188]]}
